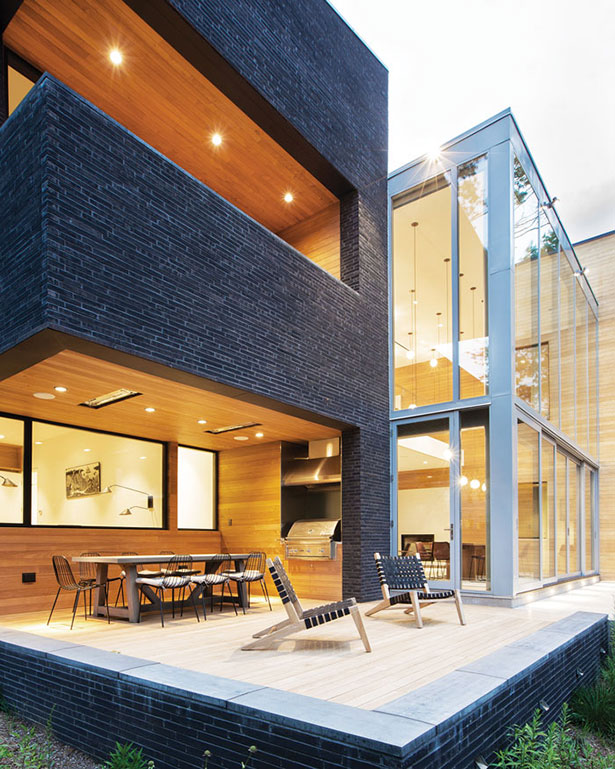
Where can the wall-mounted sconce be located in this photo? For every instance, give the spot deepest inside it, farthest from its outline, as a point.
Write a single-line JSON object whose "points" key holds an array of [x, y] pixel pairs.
{"points": [[544, 706], [150, 498], [8, 482], [128, 511]]}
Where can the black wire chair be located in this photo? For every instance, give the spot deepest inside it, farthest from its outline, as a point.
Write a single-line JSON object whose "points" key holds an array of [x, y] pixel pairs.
{"points": [[176, 577], [254, 571], [87, 572], [66, 581], [216, 573]]}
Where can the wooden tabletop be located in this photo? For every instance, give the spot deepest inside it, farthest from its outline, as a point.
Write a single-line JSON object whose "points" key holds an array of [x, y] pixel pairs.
{"points": [[139, 559]]}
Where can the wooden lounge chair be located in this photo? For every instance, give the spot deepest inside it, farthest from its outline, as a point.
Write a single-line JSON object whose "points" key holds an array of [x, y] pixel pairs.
{"points": [[303, 619], [406, 573]]}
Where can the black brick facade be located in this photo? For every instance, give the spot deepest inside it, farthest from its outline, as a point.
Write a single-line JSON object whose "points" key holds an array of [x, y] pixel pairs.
{"points": [[107, 240], [174, 727]]}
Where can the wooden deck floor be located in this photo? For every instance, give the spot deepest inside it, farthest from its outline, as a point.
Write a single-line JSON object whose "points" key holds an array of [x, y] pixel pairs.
{"points": [[327, 662]]}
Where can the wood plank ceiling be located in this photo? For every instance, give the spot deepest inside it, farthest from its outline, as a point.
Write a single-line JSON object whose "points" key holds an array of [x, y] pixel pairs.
{"points": [[178, 407], [159, 96]]}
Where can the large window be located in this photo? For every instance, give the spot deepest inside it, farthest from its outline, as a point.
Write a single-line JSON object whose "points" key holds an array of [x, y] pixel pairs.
{"points": [[474, 499], [422, 295], [11, 470], [196, 489], [473, 335], [85, 478], [528, 502], [526, 289]]}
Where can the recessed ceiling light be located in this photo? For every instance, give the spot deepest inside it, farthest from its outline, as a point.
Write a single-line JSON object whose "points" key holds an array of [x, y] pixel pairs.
{"points": [[87, 449], [216, 139], [142, 457], [2, 436], [115, 56], [44, 396], [60, 389], [241, 437], [202, 422], [288, 197], [38, 443], [260, 435], [150, 410]]}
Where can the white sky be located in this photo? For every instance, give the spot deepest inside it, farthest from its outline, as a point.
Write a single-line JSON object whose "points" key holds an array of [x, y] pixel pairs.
{"points": [[454, 63]]}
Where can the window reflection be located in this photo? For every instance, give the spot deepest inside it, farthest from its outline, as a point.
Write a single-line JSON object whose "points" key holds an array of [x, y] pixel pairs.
{"points": [[526, 254]]}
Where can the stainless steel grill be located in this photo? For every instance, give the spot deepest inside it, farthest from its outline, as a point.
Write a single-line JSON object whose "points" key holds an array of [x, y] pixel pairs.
{"points": [[312, 540]]}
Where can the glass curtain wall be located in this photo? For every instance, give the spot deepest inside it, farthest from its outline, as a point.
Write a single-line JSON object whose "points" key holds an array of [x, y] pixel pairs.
{"points": [[555, 324], [528, 503]]}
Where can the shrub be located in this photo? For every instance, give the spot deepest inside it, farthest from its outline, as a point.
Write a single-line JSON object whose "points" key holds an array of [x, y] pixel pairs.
{"points": [[126, 756]]}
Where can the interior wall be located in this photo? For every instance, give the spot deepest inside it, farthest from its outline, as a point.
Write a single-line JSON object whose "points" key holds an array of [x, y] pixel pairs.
{"points": [[424, 511]]}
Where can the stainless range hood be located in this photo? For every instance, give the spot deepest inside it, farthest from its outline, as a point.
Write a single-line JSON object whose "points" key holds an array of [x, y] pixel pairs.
{"points": [[311, 472]]}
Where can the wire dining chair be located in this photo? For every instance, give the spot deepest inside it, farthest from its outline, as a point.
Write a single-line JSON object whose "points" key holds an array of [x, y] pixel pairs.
{"points": [[216, 573], [176, 577], [254, 571], [66, 581], [87, 572]]}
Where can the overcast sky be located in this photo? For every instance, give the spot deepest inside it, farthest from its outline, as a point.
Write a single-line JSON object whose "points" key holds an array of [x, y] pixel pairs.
{"points": [[454, 63]]}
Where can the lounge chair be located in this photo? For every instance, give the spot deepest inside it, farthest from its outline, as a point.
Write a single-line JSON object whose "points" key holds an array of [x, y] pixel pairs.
{"points": [[406, 573], [303, 619]]}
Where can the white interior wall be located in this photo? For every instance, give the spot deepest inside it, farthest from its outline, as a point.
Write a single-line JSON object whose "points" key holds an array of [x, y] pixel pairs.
{"points": [[195, 489], [423, 511], [125, 461]]}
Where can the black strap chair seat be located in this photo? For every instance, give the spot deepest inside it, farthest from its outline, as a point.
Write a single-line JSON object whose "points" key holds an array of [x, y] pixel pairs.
{"points": [[300, 618], [405, 575]]}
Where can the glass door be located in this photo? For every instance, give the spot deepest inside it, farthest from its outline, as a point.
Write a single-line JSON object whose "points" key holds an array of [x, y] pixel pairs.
{"points": [[427, 463]]}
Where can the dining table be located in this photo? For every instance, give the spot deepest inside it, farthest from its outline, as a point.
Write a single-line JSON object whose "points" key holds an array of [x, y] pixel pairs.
{"points": [[129, 564]]}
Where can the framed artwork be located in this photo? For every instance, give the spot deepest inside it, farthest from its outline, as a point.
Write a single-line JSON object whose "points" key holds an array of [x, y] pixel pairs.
{"points": [[83, 481]]}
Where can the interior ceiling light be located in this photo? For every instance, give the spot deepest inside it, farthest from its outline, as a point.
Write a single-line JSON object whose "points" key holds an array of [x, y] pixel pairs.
{"points": [[474, 483], [44, 396], [87, 449], [202, 422], [60, 389], [216, 139], [2, 436], [463, 481], [288, 197], [231, 428], [240, 437], [115, 57], [150, 409], [260, 435], [108, 398]]}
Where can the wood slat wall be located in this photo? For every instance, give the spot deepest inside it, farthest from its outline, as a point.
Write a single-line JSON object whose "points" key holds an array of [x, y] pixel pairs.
{"points": [[318, 237], [250, 512]]}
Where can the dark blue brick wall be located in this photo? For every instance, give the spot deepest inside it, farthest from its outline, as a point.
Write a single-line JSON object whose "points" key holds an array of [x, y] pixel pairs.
{"points": [[143, 258], [22, 253], [174, 730], [308, 63]]}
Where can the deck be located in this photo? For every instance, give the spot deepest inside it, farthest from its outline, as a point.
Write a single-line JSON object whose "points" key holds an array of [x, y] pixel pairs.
{"points": [[327, 662]]}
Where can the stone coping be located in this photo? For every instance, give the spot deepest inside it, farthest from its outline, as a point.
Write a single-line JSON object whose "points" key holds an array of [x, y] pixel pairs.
{"points": [[395, 728]]}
